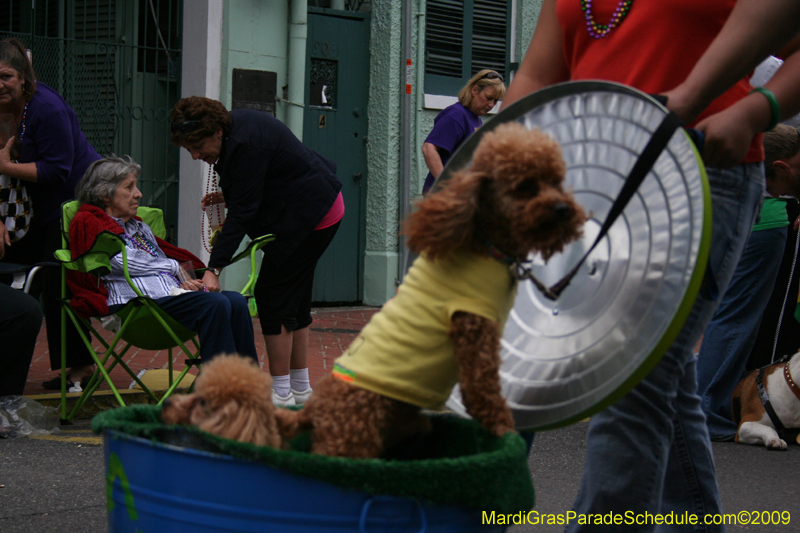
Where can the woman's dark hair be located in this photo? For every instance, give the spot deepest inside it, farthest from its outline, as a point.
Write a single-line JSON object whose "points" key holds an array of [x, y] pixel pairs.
{"points": [[196, 118], [13, 54]]}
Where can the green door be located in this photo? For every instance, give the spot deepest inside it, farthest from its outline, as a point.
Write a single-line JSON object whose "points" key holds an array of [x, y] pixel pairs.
{"points": [[335, 125]]}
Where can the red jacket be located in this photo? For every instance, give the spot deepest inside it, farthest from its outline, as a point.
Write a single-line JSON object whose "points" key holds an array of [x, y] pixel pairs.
{"points": [[89, 296]]}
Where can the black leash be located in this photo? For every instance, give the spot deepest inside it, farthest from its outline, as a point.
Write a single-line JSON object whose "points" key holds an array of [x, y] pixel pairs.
{"points": [[644, 163]]}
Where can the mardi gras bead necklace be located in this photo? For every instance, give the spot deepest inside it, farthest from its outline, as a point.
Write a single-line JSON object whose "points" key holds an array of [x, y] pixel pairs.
{"points": [[599, 31], [138, 240], [209, 236], [22, 135], [143, 244], [24, 115]]}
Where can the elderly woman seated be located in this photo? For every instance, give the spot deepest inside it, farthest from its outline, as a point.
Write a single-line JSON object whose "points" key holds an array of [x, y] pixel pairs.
{"points": [[109, 199]]}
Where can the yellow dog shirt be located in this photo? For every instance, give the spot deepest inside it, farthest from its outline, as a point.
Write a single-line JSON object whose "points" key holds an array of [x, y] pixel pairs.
{"points": [[404, 352]]}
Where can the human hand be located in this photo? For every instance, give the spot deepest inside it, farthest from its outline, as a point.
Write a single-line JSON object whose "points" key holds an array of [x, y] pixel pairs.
{"points": [[729, 133], [212, 198], [193, 285], [211, 281], [727, 139], [796, 225], [5, 239], [5, 155]]}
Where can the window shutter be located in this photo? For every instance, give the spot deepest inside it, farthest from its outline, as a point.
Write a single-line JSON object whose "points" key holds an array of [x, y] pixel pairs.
{"points": [[489, 27], [444, 47], [463, 37]]}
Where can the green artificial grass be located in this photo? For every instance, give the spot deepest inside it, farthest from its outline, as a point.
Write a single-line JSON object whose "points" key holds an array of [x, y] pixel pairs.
{"points": [[458, 463]]}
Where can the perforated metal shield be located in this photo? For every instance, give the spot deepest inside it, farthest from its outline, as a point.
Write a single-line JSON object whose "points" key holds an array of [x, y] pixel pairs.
{"points": [[566, 359]]}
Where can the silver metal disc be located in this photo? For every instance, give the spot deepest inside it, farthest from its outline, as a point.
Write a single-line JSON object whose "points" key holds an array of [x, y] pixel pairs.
{"points": [[566, 359]]}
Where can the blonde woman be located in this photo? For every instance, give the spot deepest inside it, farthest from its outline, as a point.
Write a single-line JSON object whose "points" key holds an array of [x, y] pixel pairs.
{"points": [[457, 122]]}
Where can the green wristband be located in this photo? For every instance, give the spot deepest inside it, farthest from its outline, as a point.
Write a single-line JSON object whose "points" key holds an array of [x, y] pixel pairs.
{"points": [[774, 106]]}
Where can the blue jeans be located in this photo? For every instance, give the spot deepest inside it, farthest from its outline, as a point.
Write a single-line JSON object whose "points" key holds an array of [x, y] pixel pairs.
{"points": [[650, 452], [729, 338]]}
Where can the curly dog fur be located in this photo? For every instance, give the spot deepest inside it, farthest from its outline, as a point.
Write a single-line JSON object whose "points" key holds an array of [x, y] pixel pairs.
{"points": [[231, 399], [510, 196]]}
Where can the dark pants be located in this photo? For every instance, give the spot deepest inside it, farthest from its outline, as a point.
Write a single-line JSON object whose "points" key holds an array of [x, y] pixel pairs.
{"points": [[38, 246], [283, 292], [780, 314], [20, 320], [221, 319]]}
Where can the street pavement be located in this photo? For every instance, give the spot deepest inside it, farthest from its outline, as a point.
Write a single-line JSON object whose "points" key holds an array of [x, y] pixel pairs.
{"points": [[56, 483], [750, 478]]}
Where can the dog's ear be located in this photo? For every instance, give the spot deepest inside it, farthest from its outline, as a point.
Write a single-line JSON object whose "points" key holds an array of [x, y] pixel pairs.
{"points": [[445, 220], [245, 423]]}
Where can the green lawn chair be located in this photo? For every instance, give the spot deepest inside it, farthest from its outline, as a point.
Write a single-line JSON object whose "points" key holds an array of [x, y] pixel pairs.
{"points": [[143, 323], [250, 252]]}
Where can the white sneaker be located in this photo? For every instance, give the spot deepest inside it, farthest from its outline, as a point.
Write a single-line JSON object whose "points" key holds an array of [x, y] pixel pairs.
{"points": [[283, 401], [301, 397]]}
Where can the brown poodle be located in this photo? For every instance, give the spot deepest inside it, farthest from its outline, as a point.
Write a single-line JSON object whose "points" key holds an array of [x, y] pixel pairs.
{"points": [[231, 399], [509, 202]]}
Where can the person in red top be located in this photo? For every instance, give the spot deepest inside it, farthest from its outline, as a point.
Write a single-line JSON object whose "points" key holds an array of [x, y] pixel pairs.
{"points": [[650, 452]]}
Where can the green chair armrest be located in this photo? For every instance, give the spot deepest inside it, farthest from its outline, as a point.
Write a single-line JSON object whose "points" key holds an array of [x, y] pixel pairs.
{"points": [[96, 260], [63, 256], [255, 245]]}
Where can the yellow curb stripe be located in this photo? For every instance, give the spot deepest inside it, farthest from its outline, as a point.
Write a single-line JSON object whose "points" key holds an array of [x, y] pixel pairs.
{"points": [[96, 441]]}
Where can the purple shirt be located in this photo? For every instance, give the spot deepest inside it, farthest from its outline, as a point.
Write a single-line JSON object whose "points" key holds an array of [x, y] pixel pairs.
{"points": [[450, 128], [54, 141]]}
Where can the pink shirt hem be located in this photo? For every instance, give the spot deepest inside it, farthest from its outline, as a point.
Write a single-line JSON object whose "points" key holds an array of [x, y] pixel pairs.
{"points": [[335, 214]]}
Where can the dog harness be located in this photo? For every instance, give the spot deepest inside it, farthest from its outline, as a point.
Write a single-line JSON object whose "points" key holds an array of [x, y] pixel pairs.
{"points": [[763, 395]]}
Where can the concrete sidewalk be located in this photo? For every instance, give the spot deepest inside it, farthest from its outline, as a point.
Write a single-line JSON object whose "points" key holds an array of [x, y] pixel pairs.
{"points": [[330, 334]]}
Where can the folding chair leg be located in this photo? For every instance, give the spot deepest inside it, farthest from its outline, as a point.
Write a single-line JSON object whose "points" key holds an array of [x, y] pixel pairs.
{"points": [[174, 385], [64, 419], [100, 367]]}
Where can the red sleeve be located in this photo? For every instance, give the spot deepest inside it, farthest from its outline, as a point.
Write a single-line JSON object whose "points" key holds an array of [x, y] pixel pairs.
{"points": [[89, 296]]}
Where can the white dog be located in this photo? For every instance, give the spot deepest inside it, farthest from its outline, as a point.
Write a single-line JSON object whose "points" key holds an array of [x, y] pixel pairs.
{"points": [[780, 394]]}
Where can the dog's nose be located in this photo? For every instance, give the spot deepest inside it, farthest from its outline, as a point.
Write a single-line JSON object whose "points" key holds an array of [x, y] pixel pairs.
{"points": [[563, 211], [166, 402]]}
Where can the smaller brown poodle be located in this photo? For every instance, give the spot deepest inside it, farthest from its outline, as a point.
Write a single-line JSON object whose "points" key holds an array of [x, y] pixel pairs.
{"points": [[231, 399], [445, 324]]}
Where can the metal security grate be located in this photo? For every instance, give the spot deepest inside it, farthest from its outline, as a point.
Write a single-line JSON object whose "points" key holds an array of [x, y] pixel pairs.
{"points": [[117, 63]]}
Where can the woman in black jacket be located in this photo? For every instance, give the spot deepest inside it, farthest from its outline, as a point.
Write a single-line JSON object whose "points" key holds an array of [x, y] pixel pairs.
{"points": [[270, 183]]}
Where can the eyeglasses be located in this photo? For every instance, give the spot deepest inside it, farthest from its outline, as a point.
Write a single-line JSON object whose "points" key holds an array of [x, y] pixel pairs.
{"points": [[492, 76], [187, 126]]}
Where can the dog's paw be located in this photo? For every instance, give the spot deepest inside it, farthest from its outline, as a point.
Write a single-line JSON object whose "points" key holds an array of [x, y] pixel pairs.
{"points": [[776, 443]]}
